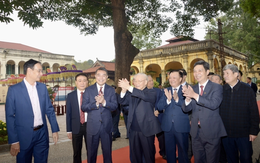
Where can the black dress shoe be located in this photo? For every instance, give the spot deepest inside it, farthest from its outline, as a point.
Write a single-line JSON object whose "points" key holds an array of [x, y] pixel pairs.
{"points": [[117, 136], [164, 157], [113, 139]]}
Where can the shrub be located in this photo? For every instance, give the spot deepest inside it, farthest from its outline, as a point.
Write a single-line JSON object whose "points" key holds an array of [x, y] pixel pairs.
{"points": [[3, 133]]}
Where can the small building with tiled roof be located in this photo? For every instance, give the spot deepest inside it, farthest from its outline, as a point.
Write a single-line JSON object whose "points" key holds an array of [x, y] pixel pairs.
{"points": [[110, 66], [14, 55]]}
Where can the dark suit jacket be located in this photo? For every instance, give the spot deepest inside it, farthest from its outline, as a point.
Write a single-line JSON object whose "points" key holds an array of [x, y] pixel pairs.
{"points": [[207, 111], [141, 102], [239, 111], [98, 115], [174, 112], [72, 113], [20, 117], [158, 95], [254, 87]]}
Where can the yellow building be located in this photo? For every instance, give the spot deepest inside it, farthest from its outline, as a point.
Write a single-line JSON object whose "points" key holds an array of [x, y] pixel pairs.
{"points": [[254, 73], [181, 53]]}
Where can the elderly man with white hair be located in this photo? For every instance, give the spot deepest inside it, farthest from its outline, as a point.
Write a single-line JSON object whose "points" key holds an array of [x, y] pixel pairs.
{"points": [[142, 124]]}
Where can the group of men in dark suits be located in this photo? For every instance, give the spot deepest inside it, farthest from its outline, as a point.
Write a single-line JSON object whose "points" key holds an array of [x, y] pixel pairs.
{"points": [[227, 113], [96, 102]]}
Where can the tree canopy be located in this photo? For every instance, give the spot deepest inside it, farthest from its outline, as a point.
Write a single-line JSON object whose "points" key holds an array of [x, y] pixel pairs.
{"points": [[242, 32], [148, 15], [252, 7]]}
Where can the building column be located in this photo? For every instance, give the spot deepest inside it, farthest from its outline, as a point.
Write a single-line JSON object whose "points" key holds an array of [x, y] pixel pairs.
{"points": [[189, 76], [3, 70], [210, 61], [185, 62], [163, 75], [16, 69], [141, 62]]}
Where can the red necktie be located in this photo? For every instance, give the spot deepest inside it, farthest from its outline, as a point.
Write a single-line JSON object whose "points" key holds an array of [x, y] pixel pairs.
{"points": [[201, 90], [201, 93], [82, 115], [100, 91]]}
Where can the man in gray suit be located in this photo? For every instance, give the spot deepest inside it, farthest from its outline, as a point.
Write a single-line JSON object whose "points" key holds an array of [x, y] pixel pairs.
{"points": [[207, 127]]}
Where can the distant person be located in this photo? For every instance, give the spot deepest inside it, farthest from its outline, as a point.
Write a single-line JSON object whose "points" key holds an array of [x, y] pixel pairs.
{"points": [[239, 76], [27, 106], [99, 100], [251, 84], [216, 79], [76, 119], [142, 124], [239, 113], [207, 127], [210, 75], [159, 114], [175, 123]]}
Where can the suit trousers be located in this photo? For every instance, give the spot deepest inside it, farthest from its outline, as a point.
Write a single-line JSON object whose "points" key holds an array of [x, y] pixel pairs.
{"points": [[77, 143], [205, 150], [234, 145], [39, 149], [106, 145], [173, 138], [161, 140], [141, 146], [115, 119]]}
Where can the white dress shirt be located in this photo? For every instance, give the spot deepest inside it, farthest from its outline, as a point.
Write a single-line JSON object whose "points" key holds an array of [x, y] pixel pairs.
{"points": [[177, 89], [103, 91], [34, 98], [204, 85]]}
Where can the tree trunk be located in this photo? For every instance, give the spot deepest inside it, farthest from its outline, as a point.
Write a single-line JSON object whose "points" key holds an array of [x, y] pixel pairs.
{"points": [[124, 50]]}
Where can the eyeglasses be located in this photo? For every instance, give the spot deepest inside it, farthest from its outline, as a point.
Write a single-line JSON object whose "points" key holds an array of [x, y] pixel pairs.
{"points": [[38, 70]]}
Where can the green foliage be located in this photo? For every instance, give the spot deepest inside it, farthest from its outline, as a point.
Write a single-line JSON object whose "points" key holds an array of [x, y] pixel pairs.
{"points": [[166, 84], [113, 60], [252, 7], [149, 17], [51, 92], [155, 84], [242, 32], [84, 65], [144, 39], [3, 133]]}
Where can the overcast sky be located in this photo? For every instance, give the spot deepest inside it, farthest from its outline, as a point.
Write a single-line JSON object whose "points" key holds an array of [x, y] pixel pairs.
{"points": [[59, 38]]}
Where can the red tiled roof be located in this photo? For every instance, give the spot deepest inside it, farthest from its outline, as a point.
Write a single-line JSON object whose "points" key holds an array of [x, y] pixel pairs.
{"points": [[17, 46], [176, 43], [110, 66]]}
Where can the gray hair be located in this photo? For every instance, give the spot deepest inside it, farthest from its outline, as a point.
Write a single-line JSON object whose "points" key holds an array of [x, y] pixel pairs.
{"points": [[142, 74], [232, 67], [220, 78]]}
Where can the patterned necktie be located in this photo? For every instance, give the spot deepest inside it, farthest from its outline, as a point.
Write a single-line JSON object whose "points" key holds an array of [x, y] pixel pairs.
{"points": [[201, 90], [82, 115], [100, 91]]}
